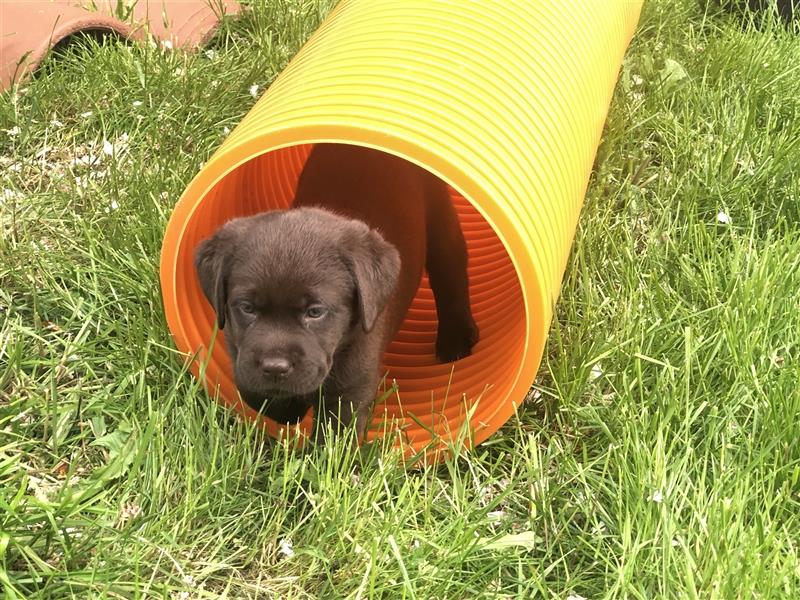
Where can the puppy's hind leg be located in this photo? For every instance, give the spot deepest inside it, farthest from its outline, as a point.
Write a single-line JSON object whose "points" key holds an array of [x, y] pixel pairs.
{"points": [[446, 263]]}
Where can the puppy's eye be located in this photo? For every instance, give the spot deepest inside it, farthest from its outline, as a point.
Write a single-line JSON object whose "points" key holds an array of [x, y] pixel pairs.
{"points": [[247, 308], [316, 311]]}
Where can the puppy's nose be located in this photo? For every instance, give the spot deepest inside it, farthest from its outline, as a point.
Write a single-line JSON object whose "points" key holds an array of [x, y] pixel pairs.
{"points": [[276, 367]]}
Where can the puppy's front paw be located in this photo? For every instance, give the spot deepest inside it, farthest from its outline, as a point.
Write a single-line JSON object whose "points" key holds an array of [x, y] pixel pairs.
{"points": [[454, 341]]}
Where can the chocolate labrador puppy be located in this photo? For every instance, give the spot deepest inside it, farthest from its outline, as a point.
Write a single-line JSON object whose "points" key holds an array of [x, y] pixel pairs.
{"points": [[309, 297]]}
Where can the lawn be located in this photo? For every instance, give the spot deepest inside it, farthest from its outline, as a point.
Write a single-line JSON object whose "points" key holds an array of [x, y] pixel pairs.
{"points": [[659, 456]]}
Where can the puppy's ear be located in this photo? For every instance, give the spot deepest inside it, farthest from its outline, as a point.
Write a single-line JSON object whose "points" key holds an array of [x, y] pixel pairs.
{"points": [[211, 262], [375, 266]]}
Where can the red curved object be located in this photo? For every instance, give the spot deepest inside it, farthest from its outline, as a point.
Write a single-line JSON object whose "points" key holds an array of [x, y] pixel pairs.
{"points": [[28, 29]]}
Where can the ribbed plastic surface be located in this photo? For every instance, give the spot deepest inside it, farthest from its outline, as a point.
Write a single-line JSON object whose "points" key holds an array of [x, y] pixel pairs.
{"points": [[505, 101]]}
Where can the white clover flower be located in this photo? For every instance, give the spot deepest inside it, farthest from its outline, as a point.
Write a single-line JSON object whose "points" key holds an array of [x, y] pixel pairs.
{"points": [[597, 372], [599, 528], [117, 147], [84, 160], [285, 547], [722, 217], [9, 194]]}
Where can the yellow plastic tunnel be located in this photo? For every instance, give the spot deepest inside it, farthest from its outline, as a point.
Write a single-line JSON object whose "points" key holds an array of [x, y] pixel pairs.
{"points": [[504, 100]]}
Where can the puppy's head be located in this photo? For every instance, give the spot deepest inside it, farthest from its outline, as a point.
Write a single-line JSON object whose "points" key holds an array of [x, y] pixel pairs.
{"points": [[291, 288]]}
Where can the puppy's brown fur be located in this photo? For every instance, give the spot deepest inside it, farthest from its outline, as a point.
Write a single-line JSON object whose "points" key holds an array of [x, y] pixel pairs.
{"points": [[310, 297]]}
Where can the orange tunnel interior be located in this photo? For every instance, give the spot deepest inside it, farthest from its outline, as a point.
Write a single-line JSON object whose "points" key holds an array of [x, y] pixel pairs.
{"points": [[431, 399]]}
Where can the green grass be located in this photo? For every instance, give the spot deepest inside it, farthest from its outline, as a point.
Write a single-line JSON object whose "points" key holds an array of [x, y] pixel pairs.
{"points": [[659, 458]]}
